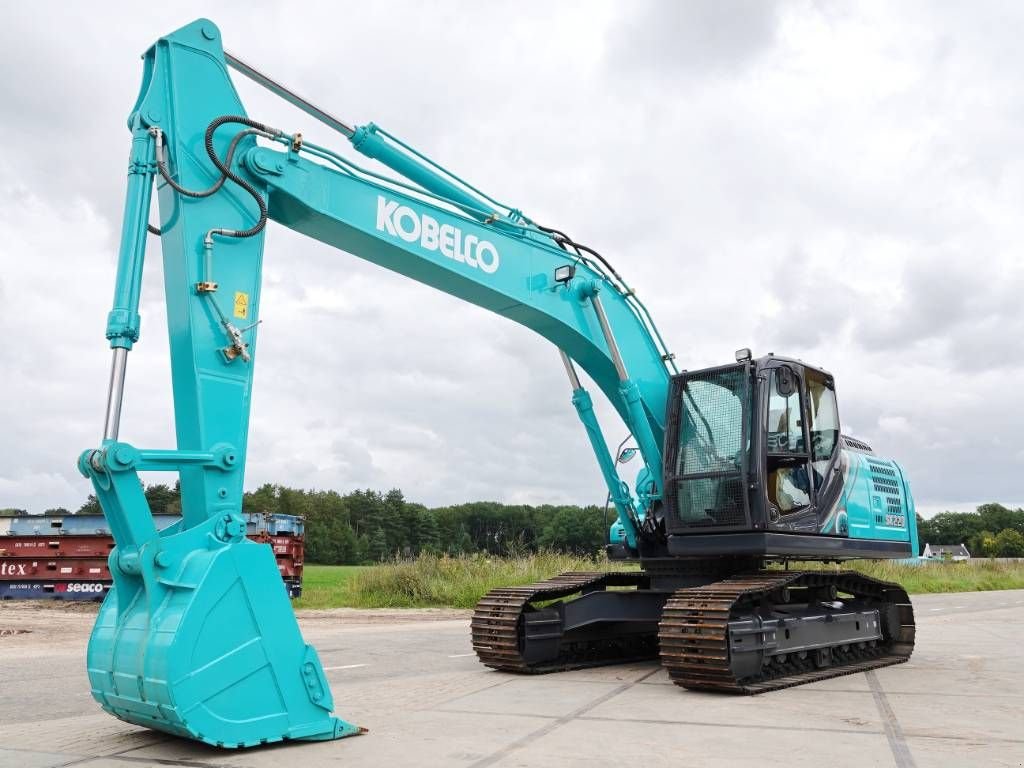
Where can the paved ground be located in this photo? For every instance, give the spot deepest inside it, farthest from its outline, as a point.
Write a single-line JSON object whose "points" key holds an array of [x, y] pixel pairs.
{"points": [[427, 702]]}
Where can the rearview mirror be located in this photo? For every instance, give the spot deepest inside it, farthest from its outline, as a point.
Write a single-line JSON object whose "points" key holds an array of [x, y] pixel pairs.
{"points": [[785, 381], [626, 455]]}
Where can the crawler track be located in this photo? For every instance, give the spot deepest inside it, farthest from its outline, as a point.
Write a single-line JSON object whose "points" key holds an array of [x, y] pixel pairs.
{"points": [[694, 641], [497, 626]]}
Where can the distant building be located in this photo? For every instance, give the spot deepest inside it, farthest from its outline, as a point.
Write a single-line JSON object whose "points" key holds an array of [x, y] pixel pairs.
{"points": [[945, 552]]}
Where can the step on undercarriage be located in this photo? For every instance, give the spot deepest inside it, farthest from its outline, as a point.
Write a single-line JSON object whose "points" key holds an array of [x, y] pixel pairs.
{"points": [[747, 633]]}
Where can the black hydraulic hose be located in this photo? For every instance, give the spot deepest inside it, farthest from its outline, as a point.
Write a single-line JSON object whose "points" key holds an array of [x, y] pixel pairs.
{"points": [[224, 166], [162, 167], [599, 257], [561, 237], [553, 231], [226, 170], [166, 174]]}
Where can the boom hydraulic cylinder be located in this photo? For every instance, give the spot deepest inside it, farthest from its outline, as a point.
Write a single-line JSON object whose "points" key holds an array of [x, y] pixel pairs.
{"points": [[617, 489]]}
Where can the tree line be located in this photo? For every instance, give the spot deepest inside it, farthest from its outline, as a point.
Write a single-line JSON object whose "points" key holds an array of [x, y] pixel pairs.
{"points": [[367, 526], [992, 531]]}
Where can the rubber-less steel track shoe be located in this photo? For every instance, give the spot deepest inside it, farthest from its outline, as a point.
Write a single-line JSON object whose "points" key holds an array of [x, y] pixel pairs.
{"points": [[769, 630], [534, 629]]}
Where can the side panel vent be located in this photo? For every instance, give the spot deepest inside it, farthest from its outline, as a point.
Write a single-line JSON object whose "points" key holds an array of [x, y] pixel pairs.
{"points": [[883, 478], [853, 444]]}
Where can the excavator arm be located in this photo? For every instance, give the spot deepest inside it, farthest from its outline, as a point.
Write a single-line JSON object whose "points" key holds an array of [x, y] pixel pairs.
{"points": [[196, 637]]}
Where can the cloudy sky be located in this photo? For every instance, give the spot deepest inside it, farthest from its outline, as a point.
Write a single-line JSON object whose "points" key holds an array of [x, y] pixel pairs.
{"points": [[838, 182]]}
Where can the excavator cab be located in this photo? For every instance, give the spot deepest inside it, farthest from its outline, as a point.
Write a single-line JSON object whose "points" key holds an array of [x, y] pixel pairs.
{"points": [[756, 465], [757, 469]]}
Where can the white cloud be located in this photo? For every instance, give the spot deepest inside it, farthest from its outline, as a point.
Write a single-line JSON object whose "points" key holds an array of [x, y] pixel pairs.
{"points": [[896, 424], [833, 182]]}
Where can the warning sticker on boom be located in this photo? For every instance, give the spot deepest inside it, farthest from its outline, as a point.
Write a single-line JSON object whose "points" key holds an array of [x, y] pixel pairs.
{"points": [[241, 305]]}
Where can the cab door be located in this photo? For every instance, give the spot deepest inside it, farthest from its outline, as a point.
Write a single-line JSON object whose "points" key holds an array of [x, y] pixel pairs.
{"points": [[789, 487], [823, 430]]}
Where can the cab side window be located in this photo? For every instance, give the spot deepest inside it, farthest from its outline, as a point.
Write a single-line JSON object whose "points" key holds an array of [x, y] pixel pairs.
{"points": [[789, 488], [785, 425], [824, 415]]}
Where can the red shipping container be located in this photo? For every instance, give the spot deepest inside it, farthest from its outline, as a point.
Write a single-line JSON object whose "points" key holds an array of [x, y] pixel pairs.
{"points": [[63, 546], [67, 568], [75, 567]]}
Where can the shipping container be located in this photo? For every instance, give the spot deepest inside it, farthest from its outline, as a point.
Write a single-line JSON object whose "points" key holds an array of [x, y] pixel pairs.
{"points": [[64, 557], [53, 590], [276, 525], [85, 525], [56, 546], [86, 569], [287, 546], [76, 525]]}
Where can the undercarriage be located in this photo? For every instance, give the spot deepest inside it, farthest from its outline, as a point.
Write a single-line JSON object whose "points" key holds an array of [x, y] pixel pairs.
{"points": [[747, 631]]}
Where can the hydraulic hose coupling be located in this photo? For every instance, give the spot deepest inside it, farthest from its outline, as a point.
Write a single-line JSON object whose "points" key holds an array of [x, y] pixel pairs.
{"points": [[158, 139]]}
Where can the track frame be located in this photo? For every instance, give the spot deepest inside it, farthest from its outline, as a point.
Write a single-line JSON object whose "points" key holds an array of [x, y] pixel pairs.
{"points": [[578, 620]]}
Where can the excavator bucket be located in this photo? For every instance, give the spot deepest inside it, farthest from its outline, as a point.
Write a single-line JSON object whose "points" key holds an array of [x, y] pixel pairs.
{"points": [[197, 636]]}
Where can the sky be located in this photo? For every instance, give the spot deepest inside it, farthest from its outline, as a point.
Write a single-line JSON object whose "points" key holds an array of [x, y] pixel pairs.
{"points": [[837, 182]]}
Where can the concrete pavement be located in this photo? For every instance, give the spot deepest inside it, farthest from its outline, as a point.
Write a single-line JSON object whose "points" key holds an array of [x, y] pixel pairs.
{"points": [[427, 702]]}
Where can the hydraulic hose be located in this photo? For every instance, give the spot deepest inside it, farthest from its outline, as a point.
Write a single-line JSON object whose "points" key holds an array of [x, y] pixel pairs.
{"points": [[224, 167], [161, 164], [227, 172], [561, 237]]}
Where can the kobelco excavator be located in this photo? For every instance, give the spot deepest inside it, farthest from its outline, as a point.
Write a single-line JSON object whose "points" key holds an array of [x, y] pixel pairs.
{"points": [[743, 465]]}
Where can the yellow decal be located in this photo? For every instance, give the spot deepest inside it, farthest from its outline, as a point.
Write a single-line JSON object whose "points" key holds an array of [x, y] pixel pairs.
{"points": [[241, 305]]}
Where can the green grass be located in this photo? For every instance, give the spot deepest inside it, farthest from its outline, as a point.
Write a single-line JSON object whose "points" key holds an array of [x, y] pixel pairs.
{"points": [[966, 576], [430, 581], [458, 582], [326, 586]]}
